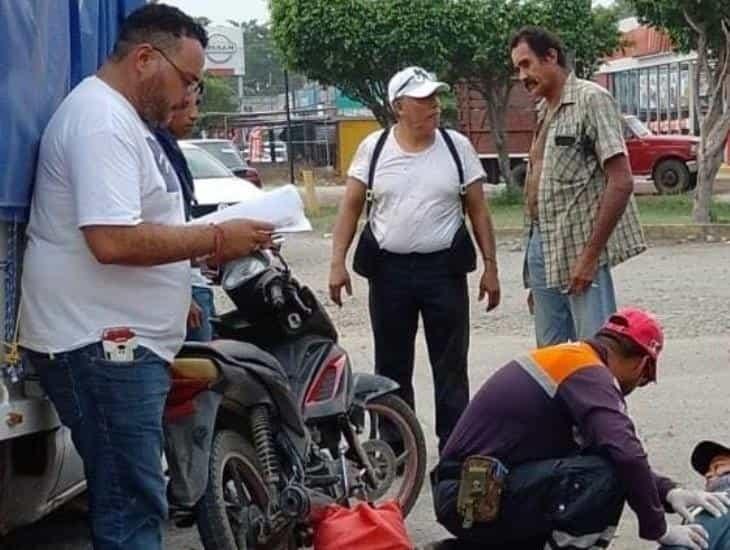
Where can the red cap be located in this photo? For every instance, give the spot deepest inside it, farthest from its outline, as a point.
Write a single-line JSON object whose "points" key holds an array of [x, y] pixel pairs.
{"points": [[639, 326]]}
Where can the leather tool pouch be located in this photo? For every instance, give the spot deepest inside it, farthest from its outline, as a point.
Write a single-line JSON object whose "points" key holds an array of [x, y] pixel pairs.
{"points": [[480, 489]]}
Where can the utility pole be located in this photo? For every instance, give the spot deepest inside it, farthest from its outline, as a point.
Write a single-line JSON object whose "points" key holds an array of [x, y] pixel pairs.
{"points": [[289, 151]]}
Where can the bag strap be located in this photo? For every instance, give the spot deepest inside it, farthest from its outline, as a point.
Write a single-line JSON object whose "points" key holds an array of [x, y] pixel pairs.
{"points": [[455, 156], [459, 168], [376, 155], [371, 172]]}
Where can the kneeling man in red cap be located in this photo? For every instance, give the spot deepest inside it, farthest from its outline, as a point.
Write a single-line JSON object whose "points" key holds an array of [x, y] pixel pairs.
{"points": [[546, 455]]}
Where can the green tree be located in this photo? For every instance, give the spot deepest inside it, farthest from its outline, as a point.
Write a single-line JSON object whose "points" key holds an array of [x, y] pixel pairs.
{"points": [[623, 9], [702, 26], [359, 44], [219, 97], [480, 54]]}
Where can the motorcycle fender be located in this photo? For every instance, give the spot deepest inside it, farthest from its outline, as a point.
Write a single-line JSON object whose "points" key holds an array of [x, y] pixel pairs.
{"points": [[370, 386]]}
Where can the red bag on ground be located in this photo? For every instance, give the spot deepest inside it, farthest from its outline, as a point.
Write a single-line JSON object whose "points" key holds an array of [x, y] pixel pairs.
{"points": [[363, 527]]}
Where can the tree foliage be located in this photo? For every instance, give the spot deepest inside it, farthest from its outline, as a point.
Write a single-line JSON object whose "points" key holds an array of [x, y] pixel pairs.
{"points": [[623, 9], [702, 26], [219, 97], [359, 44], [480, 54]]}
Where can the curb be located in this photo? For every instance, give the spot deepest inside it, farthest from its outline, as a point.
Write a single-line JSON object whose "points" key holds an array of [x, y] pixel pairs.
{"points": [[687, 232]]}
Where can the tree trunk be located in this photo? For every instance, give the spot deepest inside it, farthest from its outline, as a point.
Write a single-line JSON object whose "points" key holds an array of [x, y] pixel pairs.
{"points": [[709, 161], [382, 114], [497, 100], [714, 131]]}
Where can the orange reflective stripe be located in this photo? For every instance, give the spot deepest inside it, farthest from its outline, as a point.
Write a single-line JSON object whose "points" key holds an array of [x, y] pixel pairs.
{"points": [[559, 362]]}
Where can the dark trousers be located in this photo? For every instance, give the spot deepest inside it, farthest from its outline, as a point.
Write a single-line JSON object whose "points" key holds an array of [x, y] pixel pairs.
{"points": [[566, 503], [409, 285]]}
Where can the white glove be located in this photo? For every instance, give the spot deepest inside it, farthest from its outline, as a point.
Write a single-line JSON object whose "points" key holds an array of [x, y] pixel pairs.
{"points": [[682, 500], [693, 537]]}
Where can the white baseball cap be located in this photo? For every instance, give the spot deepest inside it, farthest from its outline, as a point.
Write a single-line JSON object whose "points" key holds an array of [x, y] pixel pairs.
{"points": [[414, 82]]}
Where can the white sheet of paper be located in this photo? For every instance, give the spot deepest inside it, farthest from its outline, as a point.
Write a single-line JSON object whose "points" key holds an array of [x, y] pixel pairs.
{"points": [[281, 207]]}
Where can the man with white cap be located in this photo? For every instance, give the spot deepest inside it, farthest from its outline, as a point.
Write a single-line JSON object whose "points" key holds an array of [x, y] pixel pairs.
{"points": [[418, 182]]}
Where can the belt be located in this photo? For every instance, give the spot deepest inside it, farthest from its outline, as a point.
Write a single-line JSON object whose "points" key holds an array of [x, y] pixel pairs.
{"points": [[415, 255]]}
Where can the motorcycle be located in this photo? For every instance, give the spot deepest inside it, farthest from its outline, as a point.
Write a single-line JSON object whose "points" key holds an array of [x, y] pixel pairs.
{"points": [[267, 424]]}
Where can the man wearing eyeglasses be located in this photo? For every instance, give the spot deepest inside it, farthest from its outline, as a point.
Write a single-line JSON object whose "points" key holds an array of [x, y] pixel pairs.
{"points": [[419, 184], [555, 419], [106, 279]]}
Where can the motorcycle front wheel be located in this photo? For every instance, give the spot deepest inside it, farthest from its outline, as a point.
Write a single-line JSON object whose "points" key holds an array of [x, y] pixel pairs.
{"points": [[400, 465], [234, 485]]}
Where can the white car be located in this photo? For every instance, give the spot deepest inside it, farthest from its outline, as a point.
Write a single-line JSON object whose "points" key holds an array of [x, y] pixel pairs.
{"points": [[215, 185]]}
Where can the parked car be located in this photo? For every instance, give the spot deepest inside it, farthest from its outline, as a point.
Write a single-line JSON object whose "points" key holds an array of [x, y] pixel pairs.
{"points": [[227, 153], [215, 185], [669, 160]]}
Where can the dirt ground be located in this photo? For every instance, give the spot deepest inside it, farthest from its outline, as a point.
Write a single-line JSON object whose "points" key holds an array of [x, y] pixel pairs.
{"points": [[685, 285]]}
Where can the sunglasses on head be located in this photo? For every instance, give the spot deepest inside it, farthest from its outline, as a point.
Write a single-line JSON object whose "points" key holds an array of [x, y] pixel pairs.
{"points": [[417, 76]]}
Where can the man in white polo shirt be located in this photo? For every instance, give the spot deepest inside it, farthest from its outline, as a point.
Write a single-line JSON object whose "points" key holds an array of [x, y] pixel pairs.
{"points": [[418, 189], [106, 279]]}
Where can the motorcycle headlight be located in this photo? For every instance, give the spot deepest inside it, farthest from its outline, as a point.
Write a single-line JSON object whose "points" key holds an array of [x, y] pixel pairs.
{"points": [[693, 149], [242, 270]]}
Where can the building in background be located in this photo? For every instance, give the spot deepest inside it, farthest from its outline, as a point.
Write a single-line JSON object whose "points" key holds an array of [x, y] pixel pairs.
{"points": [[653, 82]]}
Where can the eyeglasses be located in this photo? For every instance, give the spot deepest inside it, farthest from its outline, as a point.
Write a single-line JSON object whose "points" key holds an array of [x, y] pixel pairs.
{"points": [[648, 367], [192, 83]]}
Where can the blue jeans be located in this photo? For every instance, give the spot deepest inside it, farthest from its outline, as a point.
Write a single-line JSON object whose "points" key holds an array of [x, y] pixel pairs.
{"points": [[114, 411], [561, 317], [203, 296]]}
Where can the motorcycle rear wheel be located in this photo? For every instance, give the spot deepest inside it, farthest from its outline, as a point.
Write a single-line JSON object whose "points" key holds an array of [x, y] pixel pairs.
{"points": [[234, 482]]}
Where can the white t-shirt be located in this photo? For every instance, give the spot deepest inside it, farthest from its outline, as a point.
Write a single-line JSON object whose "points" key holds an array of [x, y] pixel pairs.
{"points": [[417, 206], [99, 164]]}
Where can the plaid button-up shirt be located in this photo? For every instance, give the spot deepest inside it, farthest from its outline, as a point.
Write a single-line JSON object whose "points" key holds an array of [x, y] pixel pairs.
{"points": [[585, 131]]}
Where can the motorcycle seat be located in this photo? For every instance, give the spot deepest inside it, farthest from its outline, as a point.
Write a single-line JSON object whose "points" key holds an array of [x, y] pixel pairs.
{"points": [[194, 368], [223, 353]]}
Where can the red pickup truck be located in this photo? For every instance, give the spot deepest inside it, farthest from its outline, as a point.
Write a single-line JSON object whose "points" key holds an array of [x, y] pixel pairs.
{"points": [[669, 160]]}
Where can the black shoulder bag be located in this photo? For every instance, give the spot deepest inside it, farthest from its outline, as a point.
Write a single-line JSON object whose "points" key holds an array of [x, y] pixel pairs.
{"points": [[368, 251], [462, 255]]}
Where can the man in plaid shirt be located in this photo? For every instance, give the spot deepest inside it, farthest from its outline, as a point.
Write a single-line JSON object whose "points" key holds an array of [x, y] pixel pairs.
{"points": [[581, 216]]}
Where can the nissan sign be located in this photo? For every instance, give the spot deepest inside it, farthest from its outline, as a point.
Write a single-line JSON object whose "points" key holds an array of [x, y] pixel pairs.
{"points": [[225, 50]]}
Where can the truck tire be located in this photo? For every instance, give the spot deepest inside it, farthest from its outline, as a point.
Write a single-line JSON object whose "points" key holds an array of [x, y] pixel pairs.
{"points": [[693, 181], [672, 177], [519, 174]]}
